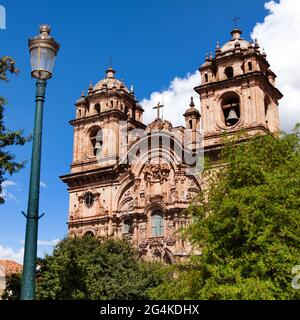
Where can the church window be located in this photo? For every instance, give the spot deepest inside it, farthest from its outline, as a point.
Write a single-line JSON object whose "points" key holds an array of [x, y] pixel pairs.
{"points": [[191, 124], [250, 66], [97, 107], [127, 227], [231, 108], [157, 223], [89, 200], [89, 234], [267, 105], [229, 72], [96, 138], [206, 77]]}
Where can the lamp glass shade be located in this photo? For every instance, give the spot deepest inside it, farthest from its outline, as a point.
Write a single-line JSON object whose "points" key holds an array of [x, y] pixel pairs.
{"points": [[42, 62]]}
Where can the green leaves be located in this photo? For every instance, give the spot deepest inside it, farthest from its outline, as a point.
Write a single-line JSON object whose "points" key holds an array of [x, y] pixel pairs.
{"points": [[89, 268], [8, 138], [247, 223]]}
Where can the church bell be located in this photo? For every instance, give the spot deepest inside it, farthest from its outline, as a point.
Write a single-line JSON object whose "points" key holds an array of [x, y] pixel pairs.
{"points": [[232, 118]]}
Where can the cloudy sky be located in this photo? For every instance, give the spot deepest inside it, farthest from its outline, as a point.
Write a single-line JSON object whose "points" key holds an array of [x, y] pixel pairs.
{"points": [[279, 36], [157, 46]]}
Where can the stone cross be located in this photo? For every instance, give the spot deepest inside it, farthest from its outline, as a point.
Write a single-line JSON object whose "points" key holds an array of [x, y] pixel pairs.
{"points": [[158, 108], [235, 20], [110, 60]]}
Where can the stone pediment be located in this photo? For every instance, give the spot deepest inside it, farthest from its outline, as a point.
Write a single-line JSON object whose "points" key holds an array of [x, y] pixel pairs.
{"points": [[159, 124]]}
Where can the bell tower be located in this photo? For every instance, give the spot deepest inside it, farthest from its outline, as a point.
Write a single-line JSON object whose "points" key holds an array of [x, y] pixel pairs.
{"points": [[98, 125], [237, 91]]}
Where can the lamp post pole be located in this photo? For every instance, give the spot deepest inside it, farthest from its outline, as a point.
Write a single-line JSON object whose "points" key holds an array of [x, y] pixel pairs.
{"points": [[43, 50], [32, 217]]}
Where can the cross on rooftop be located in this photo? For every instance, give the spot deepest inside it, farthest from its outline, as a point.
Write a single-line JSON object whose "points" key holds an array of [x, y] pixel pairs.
{"points": [[110, 60], [158, 109], [235, 20]]}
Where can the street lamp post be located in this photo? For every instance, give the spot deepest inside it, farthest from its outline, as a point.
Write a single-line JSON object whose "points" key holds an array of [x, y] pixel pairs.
{"points": [[43, 49]]}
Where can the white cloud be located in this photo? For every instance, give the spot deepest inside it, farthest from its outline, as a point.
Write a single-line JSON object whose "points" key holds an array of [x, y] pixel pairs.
{"points": [[43, 184], [45, 243], [8, 183], [7, 195], [279, 36], [48, 243], [176, 99], [7, 253]]}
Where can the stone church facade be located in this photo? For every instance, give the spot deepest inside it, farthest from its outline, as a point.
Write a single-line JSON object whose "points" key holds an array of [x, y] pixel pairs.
{"points": [[133, 181]]}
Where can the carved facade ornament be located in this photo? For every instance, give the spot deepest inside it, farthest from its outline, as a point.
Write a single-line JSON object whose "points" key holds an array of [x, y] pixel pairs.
{"points": [[143, 227], [127, 205], [156, 172], [159, 125]]}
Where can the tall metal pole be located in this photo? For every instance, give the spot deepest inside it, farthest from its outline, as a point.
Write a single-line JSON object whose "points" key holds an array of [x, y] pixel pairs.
{"points": [[30, 254]]}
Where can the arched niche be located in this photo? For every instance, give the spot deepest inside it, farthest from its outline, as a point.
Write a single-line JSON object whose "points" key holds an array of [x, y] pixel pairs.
{"points": [[95, 137], [231, 109]]}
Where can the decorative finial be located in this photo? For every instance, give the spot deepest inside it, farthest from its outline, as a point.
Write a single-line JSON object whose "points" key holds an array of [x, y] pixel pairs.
{"points": [[264, 53], [211, 56], [207, 57], [45, 29], [90, 88], [131, 89], [218, 49], [82, 94], [192, 104], [256, 45], [110, 73]]}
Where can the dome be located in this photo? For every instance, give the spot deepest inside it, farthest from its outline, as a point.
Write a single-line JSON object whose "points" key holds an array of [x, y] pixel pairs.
{"points": [[110, 82], [236, 39]]}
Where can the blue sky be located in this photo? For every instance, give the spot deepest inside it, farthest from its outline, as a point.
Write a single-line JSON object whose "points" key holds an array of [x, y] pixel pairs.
{"points": [[152, 42]]}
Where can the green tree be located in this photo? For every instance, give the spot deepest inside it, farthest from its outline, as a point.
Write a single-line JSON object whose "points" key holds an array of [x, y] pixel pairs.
{"points": [[89, 268], [8, 138], [247, 224], [13, 286]]}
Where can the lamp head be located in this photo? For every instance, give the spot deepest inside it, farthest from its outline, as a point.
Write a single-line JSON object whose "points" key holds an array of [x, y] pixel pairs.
{"points": [[43, 50]]}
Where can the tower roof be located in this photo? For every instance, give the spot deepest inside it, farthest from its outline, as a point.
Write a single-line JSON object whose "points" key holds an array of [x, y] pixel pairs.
{"points": [[191, 110], [110, 82], [229, 46]]}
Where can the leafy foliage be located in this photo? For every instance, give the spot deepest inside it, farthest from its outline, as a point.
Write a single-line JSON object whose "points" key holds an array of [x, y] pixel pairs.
{"points": [[89, 268], [7, 137], [247, 224], [13, 286]]}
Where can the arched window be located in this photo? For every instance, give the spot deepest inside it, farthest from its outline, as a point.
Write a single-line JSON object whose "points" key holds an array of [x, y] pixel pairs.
{"points": [[267, 106], [96, 138], [157, 223], [229, 72], [97, 107], [89, 234], [206, 77], [231, 108], [250, 66]]}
